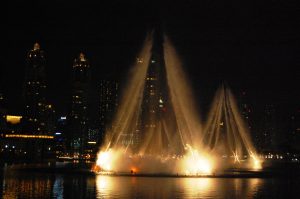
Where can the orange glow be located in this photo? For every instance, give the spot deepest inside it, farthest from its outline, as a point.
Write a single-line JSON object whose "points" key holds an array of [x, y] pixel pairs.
{"points": [[29, 136], [133, 170], [256, 163], [236, 158], [104, 160], [13, 119], [196, 163]]}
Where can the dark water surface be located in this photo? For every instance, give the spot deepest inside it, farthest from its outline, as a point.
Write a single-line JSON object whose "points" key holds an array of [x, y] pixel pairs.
{"points": [[34, 183]]}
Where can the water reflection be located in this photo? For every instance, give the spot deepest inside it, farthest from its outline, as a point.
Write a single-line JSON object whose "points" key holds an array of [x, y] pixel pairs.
{"points": [[139, 187], [23, 184], [50, 185], [30, 186], [58, 187]]}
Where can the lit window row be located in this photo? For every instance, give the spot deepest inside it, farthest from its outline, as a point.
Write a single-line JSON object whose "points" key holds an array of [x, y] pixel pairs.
{"points": [[33, 82], [151, 78], [29, 136]]}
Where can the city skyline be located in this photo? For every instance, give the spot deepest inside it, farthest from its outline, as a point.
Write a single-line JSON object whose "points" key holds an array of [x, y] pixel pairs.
{"points": [[150, 99], [239, 49]]}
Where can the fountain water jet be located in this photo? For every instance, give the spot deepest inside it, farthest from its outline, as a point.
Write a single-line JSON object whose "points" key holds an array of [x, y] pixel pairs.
{"points": [[156, 128], [225, 133]]}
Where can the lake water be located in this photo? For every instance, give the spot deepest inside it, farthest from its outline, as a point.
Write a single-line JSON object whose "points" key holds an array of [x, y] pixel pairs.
{"points": [[33, 184]]}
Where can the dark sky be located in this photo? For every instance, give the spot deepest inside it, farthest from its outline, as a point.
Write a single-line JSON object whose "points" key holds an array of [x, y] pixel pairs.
{"points": [[253, 45]]}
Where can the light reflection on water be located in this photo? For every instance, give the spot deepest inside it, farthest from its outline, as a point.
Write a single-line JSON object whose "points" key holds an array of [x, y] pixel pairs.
{"points": [[40, 185], [143, 187]]}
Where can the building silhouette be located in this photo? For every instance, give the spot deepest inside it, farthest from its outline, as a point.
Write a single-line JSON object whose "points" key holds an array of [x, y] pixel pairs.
{"points": [[108, 104], [30, 133], [269, 134], [35, 110], [157, 117], [78, 119]]}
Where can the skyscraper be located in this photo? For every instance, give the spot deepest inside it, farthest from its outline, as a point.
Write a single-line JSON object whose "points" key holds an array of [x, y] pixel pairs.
{"points": [[269, 134], [157, 115], [2, 112], [78, 118], [246, 110], [35, 116], [38, 114], [108, 104]]}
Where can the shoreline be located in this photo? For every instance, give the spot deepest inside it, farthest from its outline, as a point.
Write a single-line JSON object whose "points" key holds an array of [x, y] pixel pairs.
{"points": [[85, 169]]}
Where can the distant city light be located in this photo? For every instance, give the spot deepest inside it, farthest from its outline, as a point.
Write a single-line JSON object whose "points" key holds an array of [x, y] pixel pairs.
{"points": [[13, 119], [58, 133], [29, 136]]}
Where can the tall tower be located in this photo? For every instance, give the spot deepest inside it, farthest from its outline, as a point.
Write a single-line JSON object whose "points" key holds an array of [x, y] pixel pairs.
{"points": [[78, 118], [2, 111], [108, 104], [35, 117], [156, 106], [269, 128]]}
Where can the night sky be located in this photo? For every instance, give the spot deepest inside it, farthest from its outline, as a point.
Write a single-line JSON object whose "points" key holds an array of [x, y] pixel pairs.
{"points": [[252, 45]]}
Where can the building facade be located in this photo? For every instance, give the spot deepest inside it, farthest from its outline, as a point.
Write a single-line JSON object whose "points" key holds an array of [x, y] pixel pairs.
{"points": [[108, 105], [35, 110], [78, 119]]}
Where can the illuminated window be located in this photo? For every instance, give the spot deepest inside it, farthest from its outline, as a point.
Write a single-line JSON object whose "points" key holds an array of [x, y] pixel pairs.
{"points": [[13, 119]]}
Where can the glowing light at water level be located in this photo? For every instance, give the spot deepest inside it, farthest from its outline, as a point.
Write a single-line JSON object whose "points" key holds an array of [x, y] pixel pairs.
{"points": [[195, 163], [156, 132], [256, 163], [104, 160]]}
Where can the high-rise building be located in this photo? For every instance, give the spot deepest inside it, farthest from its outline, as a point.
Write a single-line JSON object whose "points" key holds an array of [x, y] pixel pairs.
{"points": [[35, 113], [269, 129], [154, 92], [2, 112], [294, 131], [157, 113], [78, 119], [108, 104], [38, 115], [246, 110]]}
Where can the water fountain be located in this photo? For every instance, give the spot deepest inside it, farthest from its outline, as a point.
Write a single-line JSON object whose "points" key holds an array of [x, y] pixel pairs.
{"points": [[226, 134], [156, 129]]}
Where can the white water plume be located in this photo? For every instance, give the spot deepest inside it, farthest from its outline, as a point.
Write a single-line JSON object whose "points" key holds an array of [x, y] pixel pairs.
{"points": [[157, 128]]}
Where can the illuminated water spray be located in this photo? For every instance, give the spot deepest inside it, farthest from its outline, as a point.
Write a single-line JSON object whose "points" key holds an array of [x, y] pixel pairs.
{"points": [[156, 128], [225, 133]]}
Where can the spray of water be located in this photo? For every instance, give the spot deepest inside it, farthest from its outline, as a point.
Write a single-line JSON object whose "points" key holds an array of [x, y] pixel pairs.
{"points": [[156, 128], [225, 133]]}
